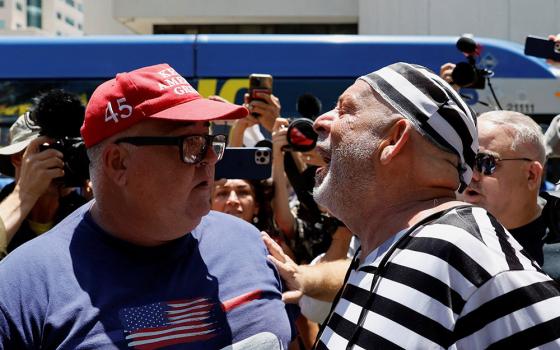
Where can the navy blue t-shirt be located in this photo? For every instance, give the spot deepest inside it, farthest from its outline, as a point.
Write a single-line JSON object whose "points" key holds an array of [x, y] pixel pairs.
{"points": [[77, 287]]}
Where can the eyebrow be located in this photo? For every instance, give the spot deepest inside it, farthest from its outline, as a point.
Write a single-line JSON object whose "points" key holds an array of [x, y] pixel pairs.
{"points": [[490, 153]]}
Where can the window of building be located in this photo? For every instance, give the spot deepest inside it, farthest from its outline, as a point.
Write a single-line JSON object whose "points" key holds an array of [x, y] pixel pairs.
{"points": [[2, 24], [18, 26], [1, 3], [59, 15], [80, 7], [343, 28], [19, 6], [34, 14], [58, 33], [70, 2], [80, 26], [69, 20]]}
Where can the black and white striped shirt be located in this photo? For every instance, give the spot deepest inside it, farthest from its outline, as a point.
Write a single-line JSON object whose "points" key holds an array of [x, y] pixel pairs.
{"points": [[459, 282]]}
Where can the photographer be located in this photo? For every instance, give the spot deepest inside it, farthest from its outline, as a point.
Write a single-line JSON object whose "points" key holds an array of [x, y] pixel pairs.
{"points": [[37, 199]]}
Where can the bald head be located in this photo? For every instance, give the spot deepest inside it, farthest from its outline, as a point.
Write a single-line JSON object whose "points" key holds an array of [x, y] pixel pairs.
{"points": [[433, 107], [525, 133]]}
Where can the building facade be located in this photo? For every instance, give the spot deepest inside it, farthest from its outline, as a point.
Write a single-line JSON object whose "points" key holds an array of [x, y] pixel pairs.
{"points": [[42, 17], [503, 19]]}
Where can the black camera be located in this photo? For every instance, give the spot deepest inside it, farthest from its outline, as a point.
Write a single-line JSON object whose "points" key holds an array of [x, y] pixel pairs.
{"points": [[59, 115], [467, 74], [76, 162]]}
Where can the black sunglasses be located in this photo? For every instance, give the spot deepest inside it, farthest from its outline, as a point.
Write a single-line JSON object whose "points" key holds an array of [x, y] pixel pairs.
{"points": [[486, 163], [193, 148]]}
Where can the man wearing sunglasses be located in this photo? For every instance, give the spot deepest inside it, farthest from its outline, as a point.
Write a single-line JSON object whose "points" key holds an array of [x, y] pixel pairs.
{"points": [[508, 175], [146, 265]]}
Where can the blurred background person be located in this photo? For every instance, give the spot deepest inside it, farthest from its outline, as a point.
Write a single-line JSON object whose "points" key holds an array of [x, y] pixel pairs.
{"points": [[249, 200], [507, 179], [39, 197]]}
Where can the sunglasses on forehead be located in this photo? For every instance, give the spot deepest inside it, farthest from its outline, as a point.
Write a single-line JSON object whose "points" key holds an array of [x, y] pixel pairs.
{"points": [[192, 148], [486, 163]]}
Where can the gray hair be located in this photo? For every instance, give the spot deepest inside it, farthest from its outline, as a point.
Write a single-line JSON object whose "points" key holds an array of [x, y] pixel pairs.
{"points": [[525, 131], [95, 155]]}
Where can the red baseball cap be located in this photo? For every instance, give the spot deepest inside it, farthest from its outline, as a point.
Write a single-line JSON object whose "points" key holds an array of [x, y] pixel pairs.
{"points": [[157, 92]]}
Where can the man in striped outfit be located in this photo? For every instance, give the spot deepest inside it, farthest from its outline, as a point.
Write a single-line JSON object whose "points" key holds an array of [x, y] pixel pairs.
{"points": [[432, 272]]}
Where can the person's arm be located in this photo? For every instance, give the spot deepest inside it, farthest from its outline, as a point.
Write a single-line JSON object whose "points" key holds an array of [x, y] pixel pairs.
{"points": [[339, 246], [321, 281], [235, 137], [280, 203], [37, 169]]}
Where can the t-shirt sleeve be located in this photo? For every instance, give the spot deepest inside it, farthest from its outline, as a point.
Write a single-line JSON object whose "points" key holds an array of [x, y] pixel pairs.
{"points": [[514, 309]]}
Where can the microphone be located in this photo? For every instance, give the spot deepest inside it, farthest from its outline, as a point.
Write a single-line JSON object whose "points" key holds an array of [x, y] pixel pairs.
{"points": [[308, 106], [468, 46]]}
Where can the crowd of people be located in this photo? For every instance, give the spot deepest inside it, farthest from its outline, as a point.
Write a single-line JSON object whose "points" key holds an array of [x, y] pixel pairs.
{"points": [[412, 222]]}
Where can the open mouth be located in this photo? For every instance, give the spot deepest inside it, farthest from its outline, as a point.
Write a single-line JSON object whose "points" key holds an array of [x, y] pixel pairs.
{"points": [[471, 192]]}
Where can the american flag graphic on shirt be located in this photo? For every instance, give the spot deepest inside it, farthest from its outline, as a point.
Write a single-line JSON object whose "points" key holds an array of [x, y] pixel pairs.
{"points": [[157, 325]]}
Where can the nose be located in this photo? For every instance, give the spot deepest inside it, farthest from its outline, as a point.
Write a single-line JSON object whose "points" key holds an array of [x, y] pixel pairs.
{"points": [[211, 155], [232, 198], [210, 158], [476, 175], [322, 124]]}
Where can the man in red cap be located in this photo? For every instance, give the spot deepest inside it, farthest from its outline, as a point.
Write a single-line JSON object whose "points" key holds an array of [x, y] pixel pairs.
{"points": [[146, 265]]}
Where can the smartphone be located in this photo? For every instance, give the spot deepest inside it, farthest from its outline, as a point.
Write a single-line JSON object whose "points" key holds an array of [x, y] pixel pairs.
{"points": [[259, 83], [253, 163], [542, 47]]}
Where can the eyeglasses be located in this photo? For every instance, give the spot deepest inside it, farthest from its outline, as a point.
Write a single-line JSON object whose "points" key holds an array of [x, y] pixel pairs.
{"points": [[486, 163], [193, 148]]}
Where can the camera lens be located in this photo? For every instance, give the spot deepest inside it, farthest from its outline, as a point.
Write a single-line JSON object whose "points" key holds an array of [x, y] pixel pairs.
{"points": [[301, 136]]}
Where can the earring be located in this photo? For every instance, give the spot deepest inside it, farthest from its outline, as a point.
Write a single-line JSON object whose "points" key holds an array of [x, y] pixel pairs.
{"points": [[255, 220]]}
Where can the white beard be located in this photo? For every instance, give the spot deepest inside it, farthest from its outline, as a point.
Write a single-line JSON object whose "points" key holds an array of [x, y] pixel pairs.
{"points": [[349, 175]]}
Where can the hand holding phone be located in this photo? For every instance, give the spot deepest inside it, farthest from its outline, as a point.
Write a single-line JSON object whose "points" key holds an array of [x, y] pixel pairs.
{"points": [[542, 47], [259, 83]]}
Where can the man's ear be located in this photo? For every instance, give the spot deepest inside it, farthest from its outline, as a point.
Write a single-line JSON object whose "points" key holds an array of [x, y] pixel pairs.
{"points": [[115, 163], [394, 141], [534, 175]]}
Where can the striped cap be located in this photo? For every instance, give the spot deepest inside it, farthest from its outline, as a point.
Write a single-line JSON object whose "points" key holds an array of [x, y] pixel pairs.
{"points": [[431, 104]]}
